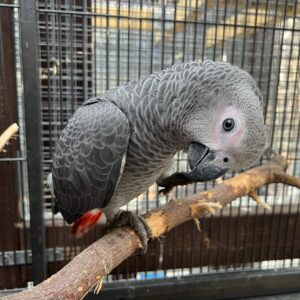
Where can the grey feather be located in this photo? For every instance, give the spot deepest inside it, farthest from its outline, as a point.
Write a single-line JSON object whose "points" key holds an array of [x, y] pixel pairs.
{"points": [[88, 158]]}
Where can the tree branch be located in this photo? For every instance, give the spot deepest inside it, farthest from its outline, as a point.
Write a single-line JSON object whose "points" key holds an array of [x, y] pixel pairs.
{"points": [[89, 267]]}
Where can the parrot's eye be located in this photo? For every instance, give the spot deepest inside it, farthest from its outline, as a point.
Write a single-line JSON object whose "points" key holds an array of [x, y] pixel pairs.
{"points": [[228, 124]]}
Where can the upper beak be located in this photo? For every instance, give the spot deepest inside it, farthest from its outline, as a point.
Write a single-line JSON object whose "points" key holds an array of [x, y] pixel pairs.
{"points": [[203, 163]]}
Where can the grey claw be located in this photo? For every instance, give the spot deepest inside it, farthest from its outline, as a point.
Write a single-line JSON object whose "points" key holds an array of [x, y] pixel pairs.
{"points": [[138, 224]]}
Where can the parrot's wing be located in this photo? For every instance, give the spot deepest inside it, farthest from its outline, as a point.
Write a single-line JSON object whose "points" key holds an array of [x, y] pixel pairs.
{"points": [[89, 158]]}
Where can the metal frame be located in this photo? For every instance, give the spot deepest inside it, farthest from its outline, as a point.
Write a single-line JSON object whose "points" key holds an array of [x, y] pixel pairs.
{"points": [[24, 257], [33, 136], [227, 285]]}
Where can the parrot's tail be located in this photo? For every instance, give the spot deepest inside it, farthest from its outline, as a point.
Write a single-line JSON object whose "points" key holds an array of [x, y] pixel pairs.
{"points": [[87, 221]]}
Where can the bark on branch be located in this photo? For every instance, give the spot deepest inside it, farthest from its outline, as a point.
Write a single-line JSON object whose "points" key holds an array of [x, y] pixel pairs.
{"points": [[89, 267]]}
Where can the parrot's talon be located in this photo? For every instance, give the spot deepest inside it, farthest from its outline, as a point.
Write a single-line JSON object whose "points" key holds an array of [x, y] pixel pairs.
{"points": [[165, 191], [139, 225], [172, 181]]}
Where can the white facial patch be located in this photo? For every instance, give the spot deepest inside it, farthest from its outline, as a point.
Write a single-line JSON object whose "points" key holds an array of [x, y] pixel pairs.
{"points": [[232, 138]]}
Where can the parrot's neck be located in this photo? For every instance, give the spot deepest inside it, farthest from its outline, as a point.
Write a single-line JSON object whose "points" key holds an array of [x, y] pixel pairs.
{"points": [[152, 106]]}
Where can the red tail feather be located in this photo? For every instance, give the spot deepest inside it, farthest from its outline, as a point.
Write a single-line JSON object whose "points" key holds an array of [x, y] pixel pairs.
{"points": [[87, 221]]}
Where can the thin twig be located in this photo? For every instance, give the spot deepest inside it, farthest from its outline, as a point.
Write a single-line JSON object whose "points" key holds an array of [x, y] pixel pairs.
{"points": [[258, 200]]}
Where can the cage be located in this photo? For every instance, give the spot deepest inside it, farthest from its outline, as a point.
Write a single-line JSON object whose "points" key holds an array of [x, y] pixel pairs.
{"points": [[56, 54]]}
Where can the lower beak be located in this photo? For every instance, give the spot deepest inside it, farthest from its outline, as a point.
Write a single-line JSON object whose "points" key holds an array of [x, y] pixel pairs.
{"points": [[203, 163]]}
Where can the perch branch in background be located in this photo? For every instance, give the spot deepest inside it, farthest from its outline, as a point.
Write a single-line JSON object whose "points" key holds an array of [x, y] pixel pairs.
{"points": [[9, 133], [88, 268]]}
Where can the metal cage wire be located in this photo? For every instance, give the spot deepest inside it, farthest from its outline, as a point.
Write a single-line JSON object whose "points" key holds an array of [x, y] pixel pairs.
{"points": [[87, 46]]}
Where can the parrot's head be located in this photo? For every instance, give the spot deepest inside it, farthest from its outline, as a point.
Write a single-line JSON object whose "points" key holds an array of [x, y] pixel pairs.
{"points": [[226, 130]]}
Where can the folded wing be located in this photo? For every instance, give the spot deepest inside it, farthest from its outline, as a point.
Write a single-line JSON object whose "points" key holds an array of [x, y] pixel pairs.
{"points": [[88, 158]]}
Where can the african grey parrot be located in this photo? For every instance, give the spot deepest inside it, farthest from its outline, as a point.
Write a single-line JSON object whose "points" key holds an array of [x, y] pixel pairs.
{"points": [[118, 144]]}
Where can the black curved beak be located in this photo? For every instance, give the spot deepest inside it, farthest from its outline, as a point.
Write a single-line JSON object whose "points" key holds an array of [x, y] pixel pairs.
{"points": [[203, 163]]}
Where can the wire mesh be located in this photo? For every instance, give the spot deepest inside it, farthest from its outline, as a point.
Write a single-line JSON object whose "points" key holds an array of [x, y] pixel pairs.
{"points": [[88, 46], [13, 166]]}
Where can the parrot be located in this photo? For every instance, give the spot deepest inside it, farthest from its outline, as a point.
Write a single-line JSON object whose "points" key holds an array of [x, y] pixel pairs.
{"points": [[119, 143]]}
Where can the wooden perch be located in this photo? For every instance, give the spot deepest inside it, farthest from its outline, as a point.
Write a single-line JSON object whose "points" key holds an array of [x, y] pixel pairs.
{"points": [[88, 268], [9, 133]]}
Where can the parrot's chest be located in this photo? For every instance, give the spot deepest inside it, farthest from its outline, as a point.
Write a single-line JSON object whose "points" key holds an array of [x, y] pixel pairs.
{"points": [[139, 175], [149, 152], [142, 169]]}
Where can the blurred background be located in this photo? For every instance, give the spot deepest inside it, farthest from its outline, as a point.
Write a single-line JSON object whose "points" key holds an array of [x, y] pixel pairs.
{"points": [[56, 54]]}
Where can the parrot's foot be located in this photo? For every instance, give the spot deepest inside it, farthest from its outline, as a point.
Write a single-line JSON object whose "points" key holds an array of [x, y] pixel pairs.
{"points": [[138, 224], [172, 181]]}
